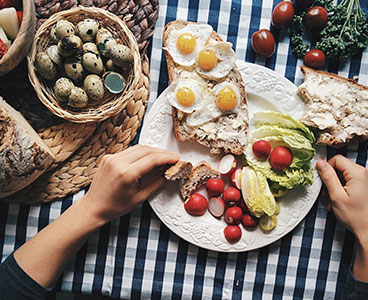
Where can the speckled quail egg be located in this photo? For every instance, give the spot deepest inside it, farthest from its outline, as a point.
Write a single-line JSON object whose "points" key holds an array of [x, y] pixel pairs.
{"points": [[62, 88], [74, 70], [77, 98], [45, 67], [93, 63], [64, 28], [93, 86], [70, 45], [120, 55], [102, 35], [53, 35], [53, 53], [110, 65], [87, 29], [90, 47]]}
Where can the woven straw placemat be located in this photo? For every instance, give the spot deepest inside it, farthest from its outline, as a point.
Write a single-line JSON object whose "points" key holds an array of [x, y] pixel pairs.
{"points": [[78, 148]]}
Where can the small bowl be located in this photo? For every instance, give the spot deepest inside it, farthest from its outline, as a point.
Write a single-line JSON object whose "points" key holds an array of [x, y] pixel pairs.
{"points": [[23, 40], [112, 103]]}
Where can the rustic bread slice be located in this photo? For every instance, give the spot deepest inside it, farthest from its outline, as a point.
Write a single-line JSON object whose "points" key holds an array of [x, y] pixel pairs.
{"points": [[23, 154], [335, 105], [200, 174], [180, 170], [183, 133]]}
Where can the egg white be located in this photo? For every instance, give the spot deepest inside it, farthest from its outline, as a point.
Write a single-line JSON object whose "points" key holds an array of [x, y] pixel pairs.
{"points": [[201, 32], [196, 89], [226, 60]]}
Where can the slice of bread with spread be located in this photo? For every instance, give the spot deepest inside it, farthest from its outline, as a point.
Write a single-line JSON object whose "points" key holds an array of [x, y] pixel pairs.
{"points": [[180, 170], [225, 133], [335, 105], [23, 154]]}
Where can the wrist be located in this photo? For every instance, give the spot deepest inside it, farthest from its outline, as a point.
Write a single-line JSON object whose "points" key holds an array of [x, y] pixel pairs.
{"points": [[362, 240], [88, 213]]}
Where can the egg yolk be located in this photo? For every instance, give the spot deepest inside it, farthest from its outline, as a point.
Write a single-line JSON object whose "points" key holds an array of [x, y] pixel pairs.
{"points": [[186, 43], [185, 96], [226, 99], [207, 59]]}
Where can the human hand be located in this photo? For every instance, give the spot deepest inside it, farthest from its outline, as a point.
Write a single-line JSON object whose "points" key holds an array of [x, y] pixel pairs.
{"points": [[124, 180], [349, 201]]}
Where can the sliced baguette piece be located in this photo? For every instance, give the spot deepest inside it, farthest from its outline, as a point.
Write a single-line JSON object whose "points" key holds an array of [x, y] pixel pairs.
{"points": [[180, 170], [23, 154], [200, 174], [185, 134], [336, 106]]}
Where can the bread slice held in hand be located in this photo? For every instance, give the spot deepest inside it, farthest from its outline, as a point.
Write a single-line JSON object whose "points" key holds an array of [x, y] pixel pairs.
{"points": [[205, 121], [336, 106], [180, 170], [199, 176], [23, 154]]}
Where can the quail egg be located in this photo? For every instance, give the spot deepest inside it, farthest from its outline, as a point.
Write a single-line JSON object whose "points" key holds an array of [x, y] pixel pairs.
{"points": [[77, 98], [53, 53], [110, 65], [93, 85], [74, 70], [120, 55], [102, 35], [93, 63], [90, 47], [87, 29], [70, 45], [62, 88], [53, 35], [114, 82], [64, 28], [45, 67]]}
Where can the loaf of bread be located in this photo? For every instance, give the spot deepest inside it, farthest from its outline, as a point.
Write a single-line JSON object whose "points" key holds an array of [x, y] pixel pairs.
{"points": [[225, 136], [23, 154], [199, 176], [336, 106], [180, 170]]}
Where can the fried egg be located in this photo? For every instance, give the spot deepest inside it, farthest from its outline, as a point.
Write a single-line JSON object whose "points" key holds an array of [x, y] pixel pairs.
{"points": [[186, 96], [223, 99], [184, 44], [216, 60]]}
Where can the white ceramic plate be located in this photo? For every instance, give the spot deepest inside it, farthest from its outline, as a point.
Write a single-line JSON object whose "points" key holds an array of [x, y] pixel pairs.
{"points": [[265, 89]]}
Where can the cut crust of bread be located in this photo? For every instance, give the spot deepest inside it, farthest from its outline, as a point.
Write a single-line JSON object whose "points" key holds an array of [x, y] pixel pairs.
{"points": [[23, 154], [180, 170], [185, 133], [199, 176], [336, 106]]}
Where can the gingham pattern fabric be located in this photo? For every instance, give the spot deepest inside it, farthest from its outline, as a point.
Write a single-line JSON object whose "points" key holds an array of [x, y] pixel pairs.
{"points": [[137, 257]]}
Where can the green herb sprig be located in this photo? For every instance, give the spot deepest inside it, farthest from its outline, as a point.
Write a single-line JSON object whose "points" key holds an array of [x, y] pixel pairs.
{"points": [[345, 35]]}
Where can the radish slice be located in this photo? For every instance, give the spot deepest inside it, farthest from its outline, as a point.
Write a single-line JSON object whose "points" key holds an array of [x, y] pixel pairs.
{"points": [[235, 178], [227, 164], [216, 206]]}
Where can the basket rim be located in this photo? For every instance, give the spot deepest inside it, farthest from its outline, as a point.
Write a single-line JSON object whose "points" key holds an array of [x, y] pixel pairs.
{"points": [[107, 109]]}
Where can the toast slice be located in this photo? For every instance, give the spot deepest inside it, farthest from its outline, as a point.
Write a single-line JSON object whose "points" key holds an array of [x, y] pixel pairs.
{"points": [[335, 105], [180, 170], [199, 176], [215, 135]]}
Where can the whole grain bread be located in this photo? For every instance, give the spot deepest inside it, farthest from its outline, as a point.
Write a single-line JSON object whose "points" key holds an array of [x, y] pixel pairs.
{"points": [[199, 176], [180, 170], [23, 154], [336, 106], [182, 133]]}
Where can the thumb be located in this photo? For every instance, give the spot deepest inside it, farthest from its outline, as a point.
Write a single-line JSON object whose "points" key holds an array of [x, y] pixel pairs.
{"points": [[330, 179]]}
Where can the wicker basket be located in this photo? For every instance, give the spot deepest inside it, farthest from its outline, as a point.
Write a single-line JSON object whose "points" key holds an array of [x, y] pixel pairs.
{"points": [[112, 103]]}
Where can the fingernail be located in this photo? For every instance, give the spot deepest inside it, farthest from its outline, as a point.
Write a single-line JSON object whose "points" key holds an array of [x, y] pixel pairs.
{"points": [[321, 165]]}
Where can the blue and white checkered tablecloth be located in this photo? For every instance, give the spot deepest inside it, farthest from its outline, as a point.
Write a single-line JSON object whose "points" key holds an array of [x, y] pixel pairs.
{"points": [[137, 257]]}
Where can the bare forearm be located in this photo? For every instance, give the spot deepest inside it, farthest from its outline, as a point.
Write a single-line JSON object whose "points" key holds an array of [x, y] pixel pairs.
{"points": [[360, 267], [45, 255]]}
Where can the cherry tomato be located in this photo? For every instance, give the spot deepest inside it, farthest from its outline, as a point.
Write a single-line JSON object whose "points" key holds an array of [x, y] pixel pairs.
{"points": [[196, 205], [281, 157], [233, 215], [263, 43], [303, 4], [231, 196], [261, 149], [315, 59], [316, 19], [215, 187], [249, 221], [232, 233], [282, 15]]}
